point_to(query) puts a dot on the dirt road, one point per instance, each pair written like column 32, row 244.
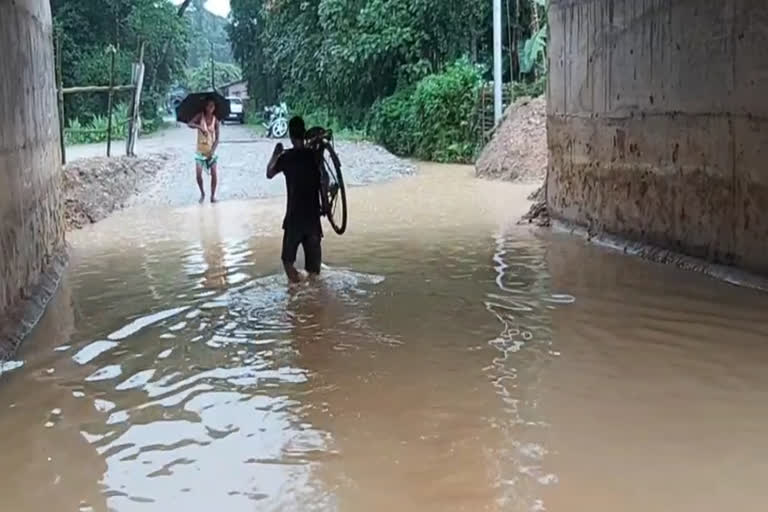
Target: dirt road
column 242, row 161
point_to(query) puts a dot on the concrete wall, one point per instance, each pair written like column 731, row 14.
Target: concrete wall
column 31, row 222
column 658, row 123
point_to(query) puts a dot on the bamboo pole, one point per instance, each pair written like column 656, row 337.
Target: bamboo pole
column 109, row 100
column 96, row 88
column 60, row 100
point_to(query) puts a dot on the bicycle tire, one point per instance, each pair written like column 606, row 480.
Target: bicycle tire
column 338, row 225
column 279, row 128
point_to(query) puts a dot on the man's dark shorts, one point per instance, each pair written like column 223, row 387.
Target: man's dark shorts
column 310, row 242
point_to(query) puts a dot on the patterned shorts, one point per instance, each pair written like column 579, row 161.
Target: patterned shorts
column 205, row 162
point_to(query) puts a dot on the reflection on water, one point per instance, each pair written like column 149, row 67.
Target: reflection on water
column 446, row 361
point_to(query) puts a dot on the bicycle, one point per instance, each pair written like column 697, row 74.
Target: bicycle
column 333, row 194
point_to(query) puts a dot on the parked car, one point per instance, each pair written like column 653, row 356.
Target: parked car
column 236, row 110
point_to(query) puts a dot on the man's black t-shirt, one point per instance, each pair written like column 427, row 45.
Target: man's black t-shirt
column 302, row 179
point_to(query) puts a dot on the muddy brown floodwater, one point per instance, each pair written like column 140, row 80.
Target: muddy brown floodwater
column 448, row 361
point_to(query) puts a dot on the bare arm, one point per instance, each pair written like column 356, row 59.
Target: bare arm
column 272, row 169
column 195, row 123
column 216, row 139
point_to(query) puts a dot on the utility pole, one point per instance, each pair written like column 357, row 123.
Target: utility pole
column 497, row 98
column 213, row 70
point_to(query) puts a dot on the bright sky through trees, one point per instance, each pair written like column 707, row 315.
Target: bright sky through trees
column 220, row 7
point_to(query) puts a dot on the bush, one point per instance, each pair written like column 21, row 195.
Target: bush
column 329, row 120
column 531, row 89
column 96, row 129
column 435, row 119
column 394, row 123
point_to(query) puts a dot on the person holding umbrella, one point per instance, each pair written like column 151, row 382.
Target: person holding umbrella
column 203, row 112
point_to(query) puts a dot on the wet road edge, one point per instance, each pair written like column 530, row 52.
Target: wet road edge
column 655, row 254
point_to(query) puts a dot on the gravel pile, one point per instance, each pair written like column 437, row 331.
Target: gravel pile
column 518, row 149
column 95, row 187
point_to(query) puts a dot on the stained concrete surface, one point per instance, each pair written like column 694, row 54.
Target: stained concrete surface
column 31, row 221
column 658, row 123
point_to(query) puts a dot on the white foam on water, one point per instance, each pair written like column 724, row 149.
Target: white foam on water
column 93, row 350
column 106, row 373
column 145, row 321
column 137, row 381
column 9, row 366
column 103, row 405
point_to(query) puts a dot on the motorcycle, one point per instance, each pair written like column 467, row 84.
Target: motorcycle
column 276, row 121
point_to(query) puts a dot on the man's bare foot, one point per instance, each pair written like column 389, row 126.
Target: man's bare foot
column 202, row 198
column 294, row 276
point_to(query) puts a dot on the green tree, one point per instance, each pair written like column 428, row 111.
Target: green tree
column 199, row 79
column 534, row 48
column 348, row 53
column 387, row 65
column 86, row 28
column 246, row 32
column 207, row 32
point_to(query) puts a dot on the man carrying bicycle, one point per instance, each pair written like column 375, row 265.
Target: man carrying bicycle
column 301, row 225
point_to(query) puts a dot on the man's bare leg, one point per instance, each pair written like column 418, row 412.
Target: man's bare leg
column 199, row 174
column 293, row 275
column 214, row 181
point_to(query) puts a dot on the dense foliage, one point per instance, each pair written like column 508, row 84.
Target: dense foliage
column 349, row 53
column 433, row 119
column 199, row 79
column 407, row 70
column 87, row 28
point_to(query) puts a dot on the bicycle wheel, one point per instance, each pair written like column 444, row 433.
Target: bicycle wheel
column 280, row 128
column 334, row 192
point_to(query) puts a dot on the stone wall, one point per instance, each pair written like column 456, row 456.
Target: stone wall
column 658, row 123
column 31, row 221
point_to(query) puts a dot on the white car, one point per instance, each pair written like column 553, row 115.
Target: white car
column 236, row 110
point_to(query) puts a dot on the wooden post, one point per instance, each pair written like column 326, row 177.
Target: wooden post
column 60, row 99
column 138, row 84
column 109, row 101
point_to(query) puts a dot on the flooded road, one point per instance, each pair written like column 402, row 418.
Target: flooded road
column 448, row 361
column 243, row 158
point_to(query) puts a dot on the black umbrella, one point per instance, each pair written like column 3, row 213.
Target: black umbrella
column 195, row 103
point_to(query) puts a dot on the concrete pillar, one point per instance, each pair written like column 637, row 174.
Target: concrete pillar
column 658, row 123
column 31, row 221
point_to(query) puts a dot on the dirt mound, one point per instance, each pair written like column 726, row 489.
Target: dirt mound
column 95, row 187
column 518, row 149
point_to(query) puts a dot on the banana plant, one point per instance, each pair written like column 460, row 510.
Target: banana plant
column 536, row 46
